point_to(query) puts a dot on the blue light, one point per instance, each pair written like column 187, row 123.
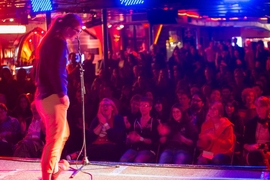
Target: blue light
column 41, row 5
column 131, row 2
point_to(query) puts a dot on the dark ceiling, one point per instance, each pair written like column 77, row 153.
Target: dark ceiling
column 211, row 8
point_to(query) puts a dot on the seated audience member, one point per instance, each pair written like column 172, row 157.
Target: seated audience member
column 125, row 98
column 258, row 89
column 184, row 100
column 216, row 139
column 248, row 110
column 232, row 114
column 144, row 137
column 140, row 85
column 197, row 112
column 149, row 94
column 159, row 111
column 106, row 134
column 73, row 65
column 133, row 113
column 22, row 112
column 239, row 84
column 210, row 78
column 9, row 132
column 257, row 134
column 194, row 89
column 214, row 96
column 178, row 137
column 107, row 91
column 31, row 145
column 206, row 91
column 226, row 94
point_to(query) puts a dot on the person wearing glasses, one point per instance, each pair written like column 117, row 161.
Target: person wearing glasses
column 143, row 138
column 107, row 133
column 51, row 98
column 257, row 135
column 216, row 139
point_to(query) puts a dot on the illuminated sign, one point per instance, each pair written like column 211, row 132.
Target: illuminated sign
column 235, row 1
column 131, row 2
column 12, row 29
column 41, row 5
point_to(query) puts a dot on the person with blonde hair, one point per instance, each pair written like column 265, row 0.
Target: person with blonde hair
column 216, row 139
column 106, row 134
column 52, row 102
column 257, row 134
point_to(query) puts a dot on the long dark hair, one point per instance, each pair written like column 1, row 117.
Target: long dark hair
column 184, row 118
column 18, row 111
column 58, row 26
column 56, row 29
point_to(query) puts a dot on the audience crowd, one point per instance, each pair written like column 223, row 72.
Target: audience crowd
column 200, row 106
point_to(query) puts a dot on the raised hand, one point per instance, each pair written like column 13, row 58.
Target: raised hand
column 101, row 118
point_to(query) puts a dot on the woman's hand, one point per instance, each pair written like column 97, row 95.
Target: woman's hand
column 127, row 123
column 64, row 100
column 163, row 130
column 101, row 118
column 134, row 137
column 251, row 147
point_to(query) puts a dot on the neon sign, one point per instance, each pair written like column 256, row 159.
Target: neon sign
column 131, row 2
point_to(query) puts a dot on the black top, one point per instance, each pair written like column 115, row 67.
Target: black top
column 50, row 68
column 187, row 129
column 250, row 130
column 116, row 134
column 148, row 132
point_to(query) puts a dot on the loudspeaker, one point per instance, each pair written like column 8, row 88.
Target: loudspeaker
column 162, row 16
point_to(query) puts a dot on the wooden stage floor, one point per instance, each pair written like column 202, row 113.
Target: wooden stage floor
column 29, row 169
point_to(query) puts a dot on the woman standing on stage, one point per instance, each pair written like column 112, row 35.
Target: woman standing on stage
column 51, row 95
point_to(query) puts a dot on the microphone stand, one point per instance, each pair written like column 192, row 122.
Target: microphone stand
column 85, row 160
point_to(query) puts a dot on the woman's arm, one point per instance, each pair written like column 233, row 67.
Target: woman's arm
column 192, row 135
column 185, row 140
column 251, row 147
column 98, row 128
column 228, row 138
